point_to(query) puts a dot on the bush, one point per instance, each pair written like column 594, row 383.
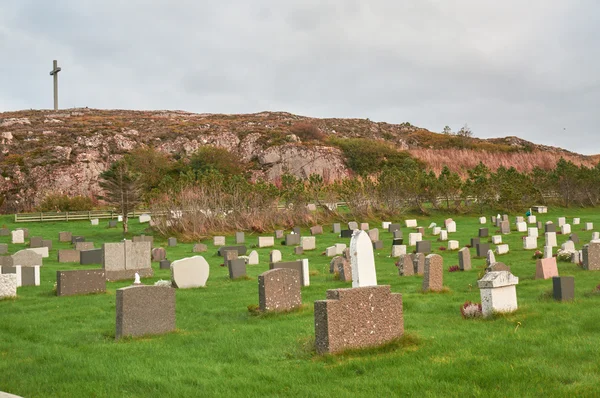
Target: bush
column 58, row 202
column 307, row 131
column 471, row 310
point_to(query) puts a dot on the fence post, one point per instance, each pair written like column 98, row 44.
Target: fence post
column 41, row 216
column 89, row 215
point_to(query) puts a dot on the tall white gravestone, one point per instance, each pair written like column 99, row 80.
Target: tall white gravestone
column 362, row 260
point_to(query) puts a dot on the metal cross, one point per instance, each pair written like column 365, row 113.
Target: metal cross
column 54, row 72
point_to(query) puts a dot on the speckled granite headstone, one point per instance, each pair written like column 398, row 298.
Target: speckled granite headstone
column 279, row 290
column 433, row 277
column 144, row 310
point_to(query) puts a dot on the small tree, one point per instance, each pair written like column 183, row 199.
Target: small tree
column 465, row 131
column 447, row 130
column 123, row 189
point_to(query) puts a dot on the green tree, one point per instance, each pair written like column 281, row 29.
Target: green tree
column 449, row 185
column 478, row 185
column 123, row 189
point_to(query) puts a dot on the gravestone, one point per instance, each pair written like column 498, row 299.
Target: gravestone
column 292, row 239
column 397, row 242
column 443, row 235
column 3, row 248
column 498, row 292
column 505, row 227
column 398, row 250
column 502, row 249
column 340, row 248
column 35, row 241
column 424, row 246
column 65, row 236
column 385, row 224
column 341, row 266
column 474, row 242
column 549, row 227
column 393, row 227
column 352, row 225
column 451, row 227
column 529, row 243
column 405, row 265
column 190, row 272
column 4, row 232
column 240, row 249
column 364, row 226
column 522, row 227
column 346, row 233
column 144, row 218
column 591, row 256
column 357, row 318
column 497, row 239
column 229, row 255
column 316, row 230
column 565, row 229
column 377, row 245
column 362, row 260
column 493, row 219
column 278, row 234
column 464, row 259
column 436, row 231
column 299, row 265
column 27, row 258
column 199, row 248
column 112, row 224
column 172, row 242
column 42, row 251
column 519, row 219
column 275, row 256
column 159, row 254
column 540, row 225
column 122, row 260
column 279, row 290
column 47, row 243
column 298, row 250
column 336, row 228
column 8, row 286
column 164, row 264
column 18, row 237
column 576, row 257
column 568, row 246
column 237, row 268
column 545, row 268
column 550, row 239
column 296, row 230
column 144, row 310
column 26, row 276
column 418, row 263
column 411, row 223
column 240, row 238
column 413, row 238
column 563, row 288
column 533, row 232
column 483, row 232
column 219, row 241
column 77, row 238
column 373, row 234
column 266, row 241
column 330, row 251
column 253, row 258
column 68, row 256
column 482, row 249
column 547, row 252
column 561, row 221
column 88, row 257
column 421, row 230
column 589, row 226
column 84, row 281
column 95, row 221
column 576, row 221
column 490, row 258
column 308, row 243
column 84, row 246
column 531, row 219
column 433, row 278
column 397, row 234
column 574, row 238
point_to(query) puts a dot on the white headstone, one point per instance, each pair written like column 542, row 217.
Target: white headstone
column 589, row 226
column 498, row 292
column 432, row 225
column 568, row 246
column 529, row 243
column 436, row 231
column 305, row 272
column 451, row 227
column 522, row 226
column 42, row 251
column 8, row 285
column 330, row 251
column 219, row 241
column 550, row 239
column 18, row 236
column 95, row 221
column 339, row 248
column 120, row 218
column 497, row 239
column 253, row 258
column 565, row 229
column 533, row 232
column 413, row 238
column 275, row 256
column 561, row 221
column 482, row 220
column 411, row 223
column 443, row 235
column 531, row 219
column 576, row 221
column 398, row 250
column 308, row 242
column 144, row 218
column 453, row 245
column 267, row 241
column 362, row 260
column 385, row 225
column 595, row 235
column 189, row 272
column 491, row 258
column 547, row 252
column 502, row 249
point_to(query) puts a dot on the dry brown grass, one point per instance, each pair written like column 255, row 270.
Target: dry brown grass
column 459, row 160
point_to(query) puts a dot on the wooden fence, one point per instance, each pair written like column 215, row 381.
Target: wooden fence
column 74, row 215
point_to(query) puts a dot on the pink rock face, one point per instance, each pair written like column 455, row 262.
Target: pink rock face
column 546, row 268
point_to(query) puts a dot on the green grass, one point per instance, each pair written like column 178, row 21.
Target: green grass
column 65, row 346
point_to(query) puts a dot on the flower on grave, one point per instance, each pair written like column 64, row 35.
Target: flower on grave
column 538, row 254
column 454, row 268
column 162, row 283
column 442, row 248
column 564, row 255
column 471, row 310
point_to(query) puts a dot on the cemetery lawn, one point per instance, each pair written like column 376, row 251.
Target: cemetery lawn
column 65, row 346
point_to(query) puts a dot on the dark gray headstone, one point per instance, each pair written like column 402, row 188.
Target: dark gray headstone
column 35, row 241
column 346, row 233
column 482, row 249
column 397, row 242
column 574, row 238
column 84, row 281
column 394, row 227
column 172, row 242
column 112, row 224
column 165, row 264
column 292, row 239
column 563, row 288
column 397, row 234
column 77, row 238
column 87, row 257
column 4, row 232
column 298, row 250
column 296, row 230
column 474, row 242
column 240, row 249
column 550, row 227
column 378, row 245
column 3, row 248
column 424, row 246
column 483, row 232
column 237, row 268
column 47, row 243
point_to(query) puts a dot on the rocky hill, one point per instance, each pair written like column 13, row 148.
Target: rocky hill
column 45, row 152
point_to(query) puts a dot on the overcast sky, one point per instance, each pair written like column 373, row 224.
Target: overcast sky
column 511, row 67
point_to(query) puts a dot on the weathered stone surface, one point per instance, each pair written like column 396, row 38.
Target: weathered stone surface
column 42, row 251
column 84, row 246
column 172, row 242
column 190, row 272
column 68, row 256
column 8, row 286
column 164, row 264
column 453, row 245
column 240, row 249
column 4, row 232
column 393, row 227
column 3, row 248
column 433, row 278
column 292, row 239
column 341, row 266
column 550, row 239
column 352, row 225
column 295, row 265
column 336, row 228
column 373, row 234
column 591, row 256
column 26, row 276
column 159, row 254
column 316, row 230
column 144, row 218
column 298, row 250
column 364, row 226
column 145, row 310
column 411, row 223
column 279, row 290
column 219, row 241
column 18, row 236
column 464, row 259
column 498, row 293
column 275, row 256
column 27, row 258
column 398, row 250
column 266, row 241
column 121, row 260
column 308, row 243
column 357, row 318
column 414, row 237
column 418, row 263
column 546, row 268
column 35, row 241
column 505, row 227
column 85, row 281
column 77, row 238
column 240, row 238
column 405, row 265
column 424, row 246
column 482, row 249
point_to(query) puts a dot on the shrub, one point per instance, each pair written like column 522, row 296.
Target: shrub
column 58, row 202
column 471, row 310
column 454, row 268
column 307, row 131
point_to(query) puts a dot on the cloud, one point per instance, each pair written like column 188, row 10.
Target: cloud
column 505, row 68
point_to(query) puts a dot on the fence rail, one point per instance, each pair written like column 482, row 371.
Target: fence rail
column 75, row 215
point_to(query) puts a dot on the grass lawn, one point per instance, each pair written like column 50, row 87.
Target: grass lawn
column 65, row 346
